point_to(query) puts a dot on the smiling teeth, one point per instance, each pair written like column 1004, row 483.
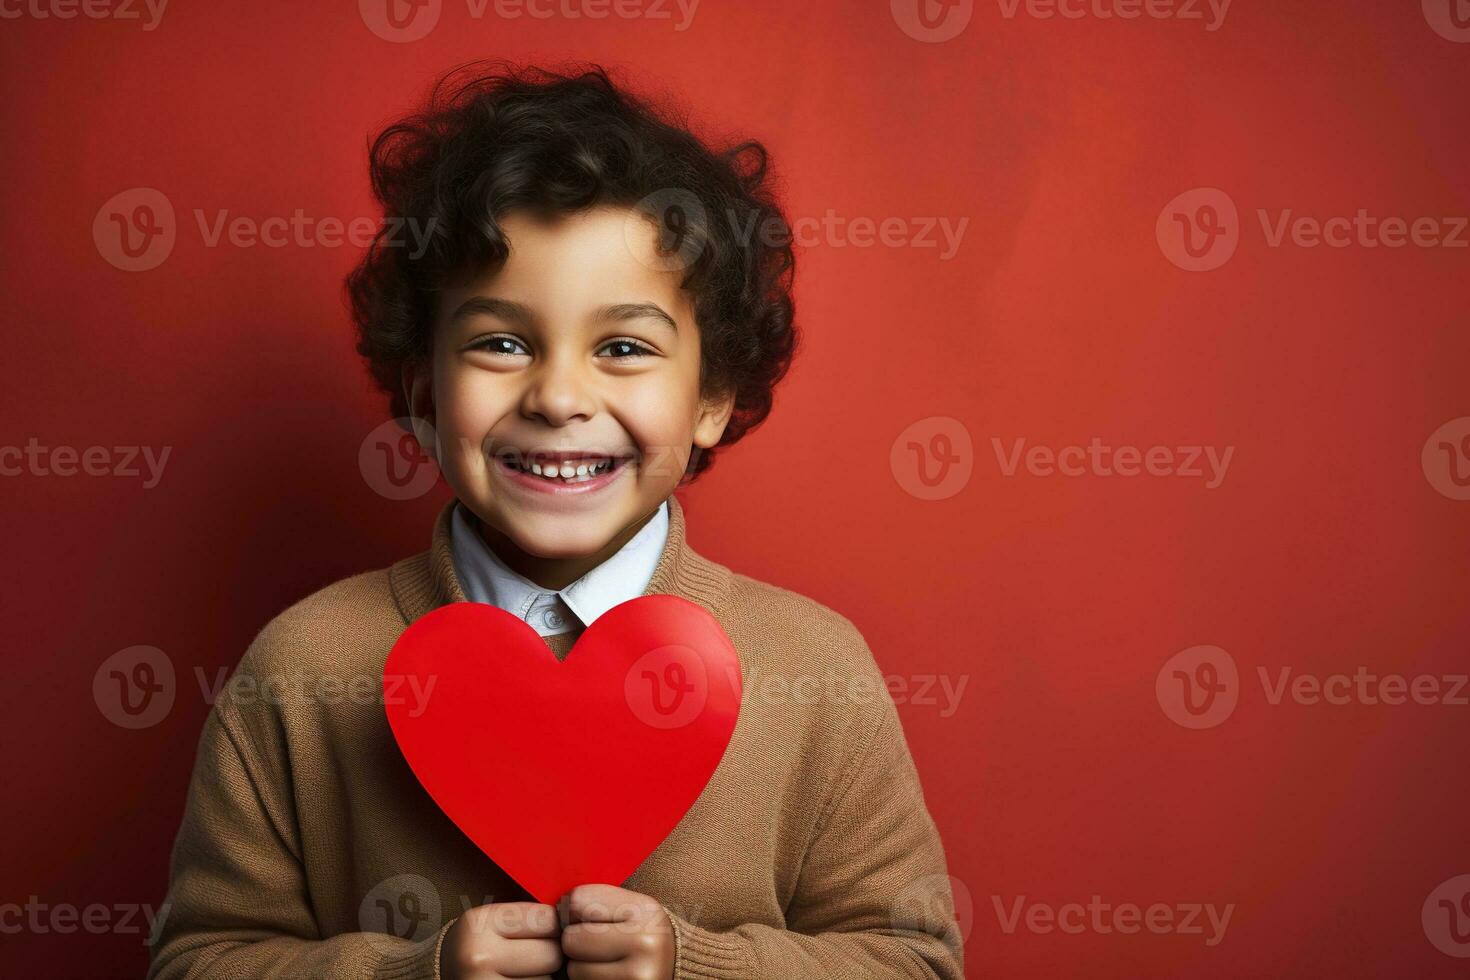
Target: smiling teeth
column 571, row 472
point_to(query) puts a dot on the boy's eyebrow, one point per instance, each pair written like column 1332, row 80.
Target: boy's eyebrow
column 504, row 308
column 632, row 311
column 522, row 315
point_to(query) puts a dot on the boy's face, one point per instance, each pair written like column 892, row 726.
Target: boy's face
column 581, row 342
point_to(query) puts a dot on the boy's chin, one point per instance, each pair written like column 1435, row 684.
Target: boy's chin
column 569, row 535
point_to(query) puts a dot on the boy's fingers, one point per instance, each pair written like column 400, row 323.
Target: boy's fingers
column 593, row 942
column 532, row 958
column 605, row 903
column 522, row 920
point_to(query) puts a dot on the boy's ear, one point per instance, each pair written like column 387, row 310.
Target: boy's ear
column 418, row 395
column 714, row 415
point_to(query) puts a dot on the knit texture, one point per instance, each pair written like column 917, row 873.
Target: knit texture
column 308, row 849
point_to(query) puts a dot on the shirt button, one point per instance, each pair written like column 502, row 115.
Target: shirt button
column 553, row 619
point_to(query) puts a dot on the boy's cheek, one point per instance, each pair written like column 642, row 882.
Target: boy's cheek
column 464, row 422
column 470, row 406
column 664, row 462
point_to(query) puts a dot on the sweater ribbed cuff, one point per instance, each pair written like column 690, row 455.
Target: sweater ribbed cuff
column 703, row 955
column 414, row 961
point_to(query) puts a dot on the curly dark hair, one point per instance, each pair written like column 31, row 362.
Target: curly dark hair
column 493, row 138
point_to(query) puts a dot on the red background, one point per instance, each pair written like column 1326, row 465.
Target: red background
column 1059, row 320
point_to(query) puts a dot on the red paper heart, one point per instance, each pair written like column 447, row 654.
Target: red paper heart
column 565, row 772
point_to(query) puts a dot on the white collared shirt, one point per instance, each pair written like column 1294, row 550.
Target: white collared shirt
column 486, row 578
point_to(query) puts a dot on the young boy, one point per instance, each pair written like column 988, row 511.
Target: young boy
column 588, row 324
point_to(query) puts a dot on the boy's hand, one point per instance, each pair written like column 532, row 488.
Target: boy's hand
column 503, row 939
column 616, row 934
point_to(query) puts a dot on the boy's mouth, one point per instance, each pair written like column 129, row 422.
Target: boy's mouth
column 561, row 468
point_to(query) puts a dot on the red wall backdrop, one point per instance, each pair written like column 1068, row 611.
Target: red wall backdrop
column 1074, row 762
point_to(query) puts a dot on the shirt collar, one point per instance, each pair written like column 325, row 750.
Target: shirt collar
column 485, row 577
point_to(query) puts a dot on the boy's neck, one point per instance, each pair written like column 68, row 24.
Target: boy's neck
column 554, row 574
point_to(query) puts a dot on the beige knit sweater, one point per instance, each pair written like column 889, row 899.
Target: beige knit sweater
column 308, row 849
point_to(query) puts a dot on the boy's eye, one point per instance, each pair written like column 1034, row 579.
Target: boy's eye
column 626, row 348
column 498, row 345
column 510, row 347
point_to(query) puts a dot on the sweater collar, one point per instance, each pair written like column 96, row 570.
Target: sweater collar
column 428, row 580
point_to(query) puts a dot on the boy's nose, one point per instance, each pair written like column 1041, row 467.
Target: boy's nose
column 558, row 394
